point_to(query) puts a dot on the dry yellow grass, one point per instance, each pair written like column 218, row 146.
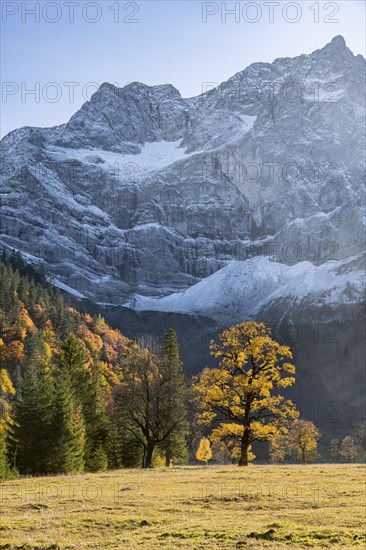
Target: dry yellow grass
column 214, row 507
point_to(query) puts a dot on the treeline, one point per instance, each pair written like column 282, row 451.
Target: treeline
column 77, row 395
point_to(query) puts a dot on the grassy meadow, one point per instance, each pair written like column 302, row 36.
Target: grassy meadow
column 213, row 507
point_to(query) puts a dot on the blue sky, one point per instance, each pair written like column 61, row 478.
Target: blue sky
column 64, row 55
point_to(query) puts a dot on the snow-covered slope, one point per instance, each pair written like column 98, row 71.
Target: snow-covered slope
column 243, row 290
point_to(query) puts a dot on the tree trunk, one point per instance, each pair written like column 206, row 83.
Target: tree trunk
column 303, row 456
column 148, row 456
column 243, row 460
column 168, row 457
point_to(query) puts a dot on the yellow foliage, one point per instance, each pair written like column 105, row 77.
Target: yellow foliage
column 25, row 321
column 232, row 435
column 303, row 438
column 204, row 451
column 235, row 453
column 88, row 318
column 6, row 385
column 108, row 377
column 241, row 394
column 93, row 341
column 348, row 448
column 15, row 351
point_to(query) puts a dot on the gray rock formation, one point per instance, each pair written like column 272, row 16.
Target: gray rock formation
column 144, row 192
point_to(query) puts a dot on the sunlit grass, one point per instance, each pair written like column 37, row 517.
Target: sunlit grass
column 224, row 507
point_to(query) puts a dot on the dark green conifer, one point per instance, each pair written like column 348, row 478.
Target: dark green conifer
column 68, row 427
column 30, row 432
column 175, row 392
column 5, row 472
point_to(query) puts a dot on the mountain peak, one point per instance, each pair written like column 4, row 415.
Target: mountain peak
column 338, row 41
column 337, row 50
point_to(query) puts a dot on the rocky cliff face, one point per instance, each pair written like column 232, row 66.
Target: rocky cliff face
column 144, row 192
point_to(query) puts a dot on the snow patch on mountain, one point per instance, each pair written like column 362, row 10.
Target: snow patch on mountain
column 68, row 289
column 242, row 289
column 248, row 122
column 153, row 156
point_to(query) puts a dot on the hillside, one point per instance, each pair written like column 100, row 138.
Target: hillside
column 35, row 319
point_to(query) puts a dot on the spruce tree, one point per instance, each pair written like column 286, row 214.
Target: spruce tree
column 97, row 423
column 92, row 388
column 5, row 471
column 175, row 391
column 68, row 428
column 74, row 357
column 97, row 461
column 30, row 431
column 113, row 445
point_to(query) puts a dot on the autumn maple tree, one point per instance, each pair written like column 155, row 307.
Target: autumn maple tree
column 349, row 449
column 241, row 397
column 302, row 439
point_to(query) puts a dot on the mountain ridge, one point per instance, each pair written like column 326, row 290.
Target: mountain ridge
column 166, row 191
